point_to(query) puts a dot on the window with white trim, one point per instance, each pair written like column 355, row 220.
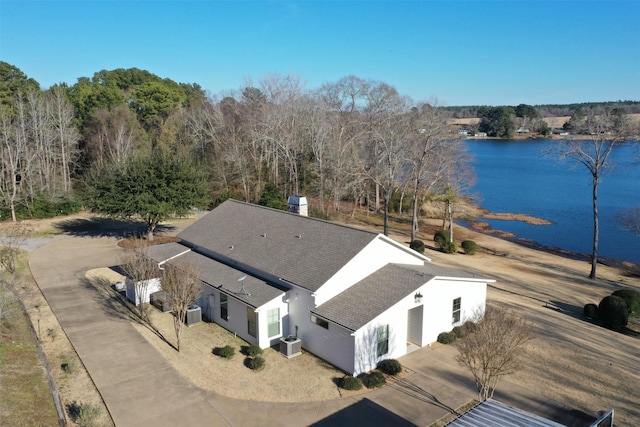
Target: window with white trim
column 382, row 340
column 455, row 317
column 273, row 322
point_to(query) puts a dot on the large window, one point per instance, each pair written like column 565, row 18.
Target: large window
column 273, row 322
column 455, row 318
column 252, row 321
column 223, row 307
column 383, row 340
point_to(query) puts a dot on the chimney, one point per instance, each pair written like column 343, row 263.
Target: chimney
column 298, row 205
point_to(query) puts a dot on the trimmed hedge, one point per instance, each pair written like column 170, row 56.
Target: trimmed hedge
column 469, row 247
column 590, row 311
column 374, row 380
column 613, row 312
column 418, row 246
column 390, row 366
column 446, row 337
column 351, row 383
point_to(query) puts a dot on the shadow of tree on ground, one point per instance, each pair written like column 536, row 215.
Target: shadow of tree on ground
column 106, row 227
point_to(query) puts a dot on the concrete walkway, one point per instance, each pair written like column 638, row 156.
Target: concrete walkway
column 140, row 388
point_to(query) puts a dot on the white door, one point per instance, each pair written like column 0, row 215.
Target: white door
column 414, row 325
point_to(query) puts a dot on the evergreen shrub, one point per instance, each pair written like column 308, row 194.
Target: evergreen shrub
column 469, row 247
column 256, row 363
column 390, row 366
column 351, row 383
column 374, row 380
column 227, row 352
column 446, row 337
column 418, row 246
column 613, row 312
column 254, row 350
column 590, row 311
column 631, row 298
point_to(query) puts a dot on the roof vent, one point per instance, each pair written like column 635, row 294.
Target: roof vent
column 298, row 205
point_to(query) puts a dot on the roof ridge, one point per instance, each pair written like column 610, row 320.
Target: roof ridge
column 337, row 224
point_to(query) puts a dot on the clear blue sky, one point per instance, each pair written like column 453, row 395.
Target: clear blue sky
column 462, row 52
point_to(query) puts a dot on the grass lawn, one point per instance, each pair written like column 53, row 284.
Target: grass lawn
column 25, row 398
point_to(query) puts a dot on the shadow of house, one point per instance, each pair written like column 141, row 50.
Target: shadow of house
column 363, row 412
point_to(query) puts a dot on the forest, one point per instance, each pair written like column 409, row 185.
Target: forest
column 352, row 140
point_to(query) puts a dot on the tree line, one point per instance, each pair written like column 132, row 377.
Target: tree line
column 350, row 140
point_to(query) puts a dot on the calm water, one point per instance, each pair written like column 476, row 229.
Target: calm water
column 513, row 176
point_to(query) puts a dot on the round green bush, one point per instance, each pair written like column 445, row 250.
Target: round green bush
column 590, row 311
column 631, row 298
column 469, row 247
column 613, row 312
column 227, row 352
column 390, row 366
column 351, row 383
column 441, row 237
column 450, row 248
column 256, row 363
column 254, row 350
column 374, row 380
column 418, row 246
column 446, row 337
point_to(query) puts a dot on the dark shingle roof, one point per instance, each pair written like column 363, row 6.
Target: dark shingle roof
column 375, row 294
column 249, row 290
column 301, row 250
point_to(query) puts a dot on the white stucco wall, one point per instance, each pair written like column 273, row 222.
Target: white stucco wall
column 237, row 321
column 375, row 255
column 438, row 305
column 152, row 285
column 437, row 301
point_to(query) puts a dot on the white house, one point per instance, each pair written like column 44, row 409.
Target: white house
column 350, row 296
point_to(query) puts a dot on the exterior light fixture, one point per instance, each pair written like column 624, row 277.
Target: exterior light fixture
column 418, row 297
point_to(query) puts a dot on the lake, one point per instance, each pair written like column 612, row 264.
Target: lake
column 514, row 177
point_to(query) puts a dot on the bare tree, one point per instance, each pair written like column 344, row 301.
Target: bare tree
column 494, row 349
column 181, row 282
column 7, row 302
column 10, row 245
column 606, row 132
column 140, row 268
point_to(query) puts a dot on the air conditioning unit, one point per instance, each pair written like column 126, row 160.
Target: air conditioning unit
column 290, row 346
column 194, row 314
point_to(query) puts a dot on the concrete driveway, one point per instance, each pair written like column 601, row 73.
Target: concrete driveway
column 140, row 388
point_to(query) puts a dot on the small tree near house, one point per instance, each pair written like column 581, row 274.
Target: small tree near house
column 494, row 349
column 140, row 268
column 182, row 283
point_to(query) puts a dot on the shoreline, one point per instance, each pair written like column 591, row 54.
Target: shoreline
column 485, row 228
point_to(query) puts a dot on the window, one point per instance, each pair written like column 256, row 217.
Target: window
column 223, row 307
column 320, row 322
column 252, row 321
column 273, row 322
column 383, row 340
column 456, row 310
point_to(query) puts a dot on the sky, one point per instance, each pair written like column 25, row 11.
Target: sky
column 456, row 52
